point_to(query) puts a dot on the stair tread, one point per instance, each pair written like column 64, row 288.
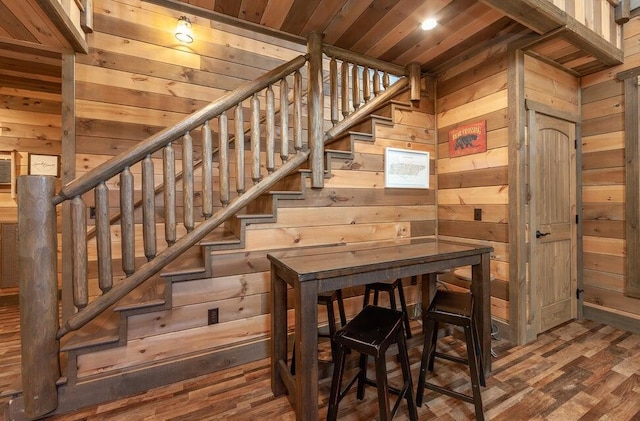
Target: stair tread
column 150, row 293
column 103, row 330
column 219, row 237
column 254, row 215
column 15, row 387
column 185, row 271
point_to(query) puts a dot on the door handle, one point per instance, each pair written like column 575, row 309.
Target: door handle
column 541, row 234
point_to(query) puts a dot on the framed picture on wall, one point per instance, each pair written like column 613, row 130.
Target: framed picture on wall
column 44, row 164
column 406, row 169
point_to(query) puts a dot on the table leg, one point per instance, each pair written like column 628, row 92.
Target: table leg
column 481, row 290
column 428, row 288
column 306, row 308
column 278, row 331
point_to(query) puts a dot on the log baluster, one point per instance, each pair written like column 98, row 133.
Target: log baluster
column 148, row 209
column 414, row 72
column 223, row 158
column 103, row 237
column 385, row 81
column 271, row 130
column 207, row 171
column 355, row 86
column 240, row 186
column 79, row 255
column 169, row 177
column 344, row 73
column 315, row 107
column 297, row 110
column 333, row 90
column 366, row 84
column 376, row 83
column 187, row 182
column 127, row 222
column 284, row 120
column 255, row 139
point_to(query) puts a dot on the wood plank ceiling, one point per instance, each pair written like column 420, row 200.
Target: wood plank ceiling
column 385, row 29
column 30, row 45
column 390, row 29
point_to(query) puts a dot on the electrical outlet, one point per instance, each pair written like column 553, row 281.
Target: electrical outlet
column 212, row 316
column 477, row 214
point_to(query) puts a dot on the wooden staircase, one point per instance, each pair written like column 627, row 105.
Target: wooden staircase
column 177, row 299
column 165, row 329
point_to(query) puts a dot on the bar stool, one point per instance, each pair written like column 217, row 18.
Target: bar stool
column 371, row 333
column 455, row 308
column 390, row 288
column 327, row 298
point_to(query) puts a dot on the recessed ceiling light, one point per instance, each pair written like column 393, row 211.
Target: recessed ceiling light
column 429, row 24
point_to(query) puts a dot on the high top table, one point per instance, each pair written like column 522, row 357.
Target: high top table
column 315, row 269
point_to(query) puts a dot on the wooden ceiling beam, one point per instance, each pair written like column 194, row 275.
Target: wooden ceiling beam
column 543, row 17
column 540, row 16
column 590, row 42
column 62, row 22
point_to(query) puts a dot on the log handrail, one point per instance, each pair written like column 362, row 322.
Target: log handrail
column 196, row 164
column 362, row 60
column 165, row 257
column 155, row 142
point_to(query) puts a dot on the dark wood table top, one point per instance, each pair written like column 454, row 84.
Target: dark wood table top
column 316, row 263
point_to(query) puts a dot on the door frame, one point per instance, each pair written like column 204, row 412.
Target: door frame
column 520, row 331
column 532, row 109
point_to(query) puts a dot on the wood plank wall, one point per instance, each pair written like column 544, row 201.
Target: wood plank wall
column 137, row 79
column 30, row 122
column 472, row 91
column 603, row 180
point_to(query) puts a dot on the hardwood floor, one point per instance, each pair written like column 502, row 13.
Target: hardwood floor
column 579, row 371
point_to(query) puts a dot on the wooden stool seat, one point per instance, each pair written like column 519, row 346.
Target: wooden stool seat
column 455, row 308
column 327, row 298
column 390, row 288
column 371, row 333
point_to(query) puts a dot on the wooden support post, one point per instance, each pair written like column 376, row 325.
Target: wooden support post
column 413, row 71
column 37, row 256
column 86, row 18
column 623, row 12
column 632, row 185
column 315, row 109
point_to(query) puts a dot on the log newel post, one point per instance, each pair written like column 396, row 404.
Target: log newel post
column 315, row 109
column 37, row 273
column 413, row 71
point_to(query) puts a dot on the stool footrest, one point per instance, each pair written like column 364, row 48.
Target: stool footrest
column 449, row 392
column 453, row 358
column 391, row 389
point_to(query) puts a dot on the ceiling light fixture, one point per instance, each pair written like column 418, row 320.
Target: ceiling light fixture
column 429, row 24
column 183, row 30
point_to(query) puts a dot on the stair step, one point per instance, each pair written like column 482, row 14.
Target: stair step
column 15, row 389
column 220, row 238
column 149, row 294
column 104, row 330
column 185, row 273
column 101, row 331
column 255, row 216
